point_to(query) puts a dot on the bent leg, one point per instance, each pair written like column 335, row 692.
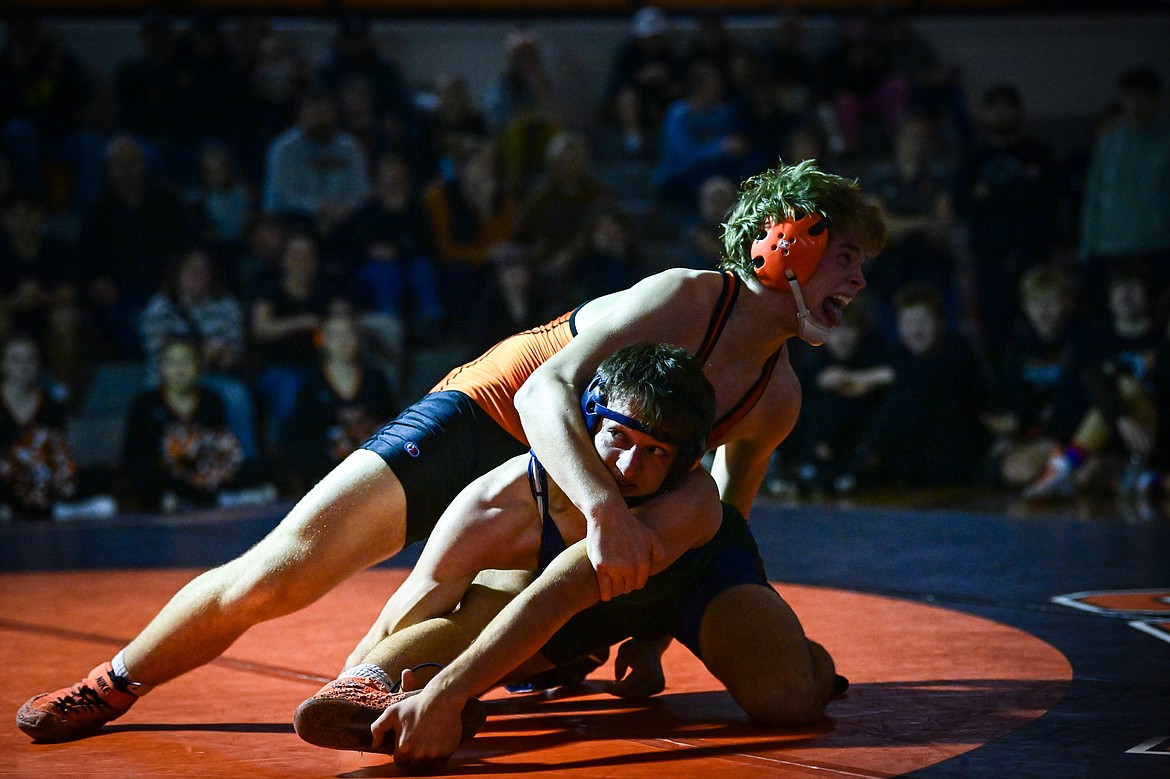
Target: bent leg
column 442, row 639
column 353, row 518
column 752, row 641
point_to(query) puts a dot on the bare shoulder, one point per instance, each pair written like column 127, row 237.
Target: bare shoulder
column 668, row 296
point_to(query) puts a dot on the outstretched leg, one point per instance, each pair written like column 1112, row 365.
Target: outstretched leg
column 353, row 518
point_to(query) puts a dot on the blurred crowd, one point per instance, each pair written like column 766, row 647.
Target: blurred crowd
column 275, row 240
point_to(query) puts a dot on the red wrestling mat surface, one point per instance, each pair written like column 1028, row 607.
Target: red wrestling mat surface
column 927, row 684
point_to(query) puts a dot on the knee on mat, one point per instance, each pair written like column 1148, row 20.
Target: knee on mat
column 778, row 707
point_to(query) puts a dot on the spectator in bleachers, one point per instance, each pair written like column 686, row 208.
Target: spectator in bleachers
column 286, row 317
column 935, row 85
column 927, row 430
column 156, row 101
column 224, row 201
column 522, row 113
column 278, row 76
column 844, row 385
column 126, row 239
column 455, row 124
column 341, row 403
column 1125, row 213
column 869, row 97
column 354, row 58
column 358, row 116
column 314, row 171
column 473, row 222
column 39, row 292
column 770, row 116
column 208, row 72
column 703, row 134
column 259, row 265
column 1153, row 481
column 710, row 41
column 913, row 191
column 612, row 259
column 37, row 468
column 715, row 198
column 1031, row 414
column 45, row 95
column 792, row 59
column 1005, row 196
column 555, row 220
column 1112, row 384
column 194, row 304
column 178, row 450
column 386, row 248
column 645, row 77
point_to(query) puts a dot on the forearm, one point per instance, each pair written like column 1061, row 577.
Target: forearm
column 523, row 627
column 549, row 408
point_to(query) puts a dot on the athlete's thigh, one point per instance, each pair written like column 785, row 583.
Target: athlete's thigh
column 351, row 519
column 752, row 641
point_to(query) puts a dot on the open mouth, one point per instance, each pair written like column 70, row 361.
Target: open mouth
column 831, row 310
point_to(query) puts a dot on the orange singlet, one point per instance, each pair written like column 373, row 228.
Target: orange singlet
column 493, row 379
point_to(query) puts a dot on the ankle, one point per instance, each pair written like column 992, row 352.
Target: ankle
column 123, row 681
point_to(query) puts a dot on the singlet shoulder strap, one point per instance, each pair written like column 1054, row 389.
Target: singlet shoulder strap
column 719, row 316
column 552, row 543
column 748, row 401
column 538, row 483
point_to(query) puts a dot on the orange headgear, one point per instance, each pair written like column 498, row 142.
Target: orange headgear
column 792, row 245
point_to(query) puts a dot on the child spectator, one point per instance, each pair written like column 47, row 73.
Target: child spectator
column 337, row 407
column 1033, row 415
column 1112, row 381
column 845, row 384
column 178, row 451
column 927, row 430
column 37, row 469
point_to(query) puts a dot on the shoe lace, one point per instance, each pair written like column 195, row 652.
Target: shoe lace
column 83, row 698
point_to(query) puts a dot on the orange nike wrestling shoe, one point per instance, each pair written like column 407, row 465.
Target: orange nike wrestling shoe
column 339, row 716
column 77, row 711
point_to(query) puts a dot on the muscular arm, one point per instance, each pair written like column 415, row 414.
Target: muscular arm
column 621, row 550
column 427, row 725
column 741, row 464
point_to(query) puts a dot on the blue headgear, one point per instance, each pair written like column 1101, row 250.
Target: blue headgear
column 689, row 452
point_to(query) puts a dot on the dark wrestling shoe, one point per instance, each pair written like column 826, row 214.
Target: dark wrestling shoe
column 77, row 711
column 339, row 716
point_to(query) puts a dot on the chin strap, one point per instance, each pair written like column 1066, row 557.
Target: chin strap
column 808, row 328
